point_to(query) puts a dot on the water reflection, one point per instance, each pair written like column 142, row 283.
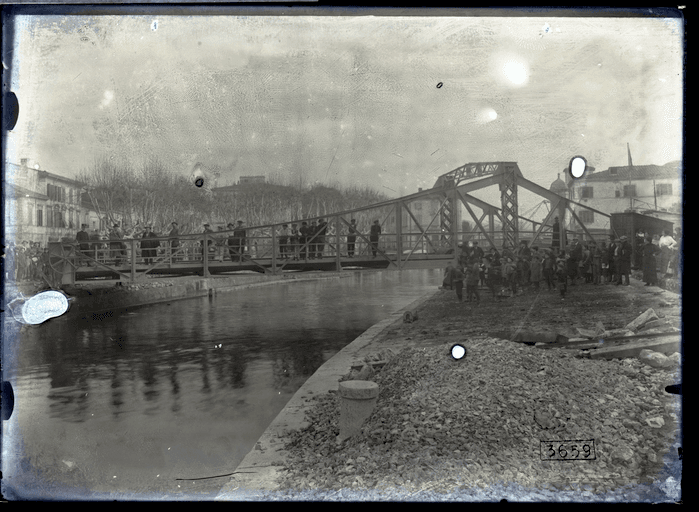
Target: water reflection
column 203, row 369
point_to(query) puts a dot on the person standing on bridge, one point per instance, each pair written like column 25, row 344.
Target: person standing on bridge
column 284, row 242
column 149, row 248
column 321, row 230
column 116, row 246
column 238, row 241
column 294, row 241
column 313, row 245
column 374, row 237
column 83, row 240
column 207, row 248
column 351, row 237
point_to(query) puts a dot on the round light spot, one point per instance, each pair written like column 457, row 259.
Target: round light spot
column 577, row 166
column 458, row 351
column 515, row 72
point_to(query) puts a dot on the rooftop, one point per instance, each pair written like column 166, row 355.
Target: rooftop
column 637, row 172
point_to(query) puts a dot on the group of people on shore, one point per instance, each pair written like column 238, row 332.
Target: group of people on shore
column 509, row 273
column 26, row 261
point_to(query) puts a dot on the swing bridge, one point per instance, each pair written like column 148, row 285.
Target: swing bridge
column 409, row 239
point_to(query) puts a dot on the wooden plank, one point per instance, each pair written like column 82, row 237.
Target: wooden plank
column 634, row 348
column 601, row 342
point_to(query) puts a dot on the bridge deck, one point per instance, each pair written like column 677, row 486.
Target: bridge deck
column 265, row 265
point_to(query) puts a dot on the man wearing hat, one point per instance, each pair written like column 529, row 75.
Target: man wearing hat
column 236, row 243
column 117, row 248
column 83, row 239
column 624, row 255
column 149, row 247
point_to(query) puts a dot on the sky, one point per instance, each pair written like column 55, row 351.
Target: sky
column 391, row 102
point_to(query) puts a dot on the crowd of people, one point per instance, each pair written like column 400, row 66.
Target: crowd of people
column 306, row 240
column 27, row 261
column 508, row 273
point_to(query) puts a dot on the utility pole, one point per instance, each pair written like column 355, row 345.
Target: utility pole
column 628, row 150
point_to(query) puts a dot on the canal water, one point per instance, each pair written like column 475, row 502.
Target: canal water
column 160, row 401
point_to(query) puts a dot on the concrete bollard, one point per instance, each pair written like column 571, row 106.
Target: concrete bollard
column 357, row 400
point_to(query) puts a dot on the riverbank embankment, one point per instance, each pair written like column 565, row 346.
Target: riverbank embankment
column 476, row 429
column 96, row 298
column 259, row 471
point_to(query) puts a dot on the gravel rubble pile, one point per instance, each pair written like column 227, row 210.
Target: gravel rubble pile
column 443, row 426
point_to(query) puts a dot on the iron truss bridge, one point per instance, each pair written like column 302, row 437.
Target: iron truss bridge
column 420, row 230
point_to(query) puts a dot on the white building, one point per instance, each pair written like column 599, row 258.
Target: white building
column 639, row 188
column 43, row 207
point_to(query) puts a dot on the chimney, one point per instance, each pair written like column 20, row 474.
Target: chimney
column 23, row 161
column 419, row 189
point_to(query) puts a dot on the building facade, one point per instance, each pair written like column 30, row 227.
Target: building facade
column 638, row 188
column 44, row 207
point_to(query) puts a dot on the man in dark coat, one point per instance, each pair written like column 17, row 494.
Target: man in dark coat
column 238, row 241
column 116, row 246
column 149, row 248
column 83, row 239
column 624, row 260
column 650, row 262
column 374, row 237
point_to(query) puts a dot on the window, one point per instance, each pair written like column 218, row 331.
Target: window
column 586, row 192
column 663, row 189
column 629, row 190
column 39, row 216
column 617, row 193
column 586, row 216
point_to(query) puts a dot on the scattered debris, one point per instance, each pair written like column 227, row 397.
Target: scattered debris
column 648, row 315
column 654, row 359
column 656, row 422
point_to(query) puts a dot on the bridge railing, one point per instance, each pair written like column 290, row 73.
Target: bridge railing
column 264, row 248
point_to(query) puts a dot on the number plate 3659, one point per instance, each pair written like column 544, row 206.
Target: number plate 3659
column 568, row 450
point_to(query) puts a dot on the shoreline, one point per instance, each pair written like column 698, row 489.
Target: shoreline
column 258, row 476
column 259, row 467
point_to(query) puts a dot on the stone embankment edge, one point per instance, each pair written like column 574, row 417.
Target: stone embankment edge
column 259, row 470
column 89, row 300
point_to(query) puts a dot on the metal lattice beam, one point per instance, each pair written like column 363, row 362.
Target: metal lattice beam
column 508, row 198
